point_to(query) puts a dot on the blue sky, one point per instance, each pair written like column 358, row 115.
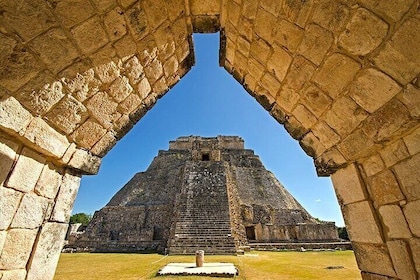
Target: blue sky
column 208, row 101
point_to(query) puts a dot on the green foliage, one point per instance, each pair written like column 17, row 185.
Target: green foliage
column 81, row 218
column 342, row 233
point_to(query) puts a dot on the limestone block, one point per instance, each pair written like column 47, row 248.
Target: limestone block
column 170, row 67
column 408, row 175
column 415, row 250
column 373, row 258
column 344, row 116
column 16, row 274
column 316, row 43
column 327, row 163
column 108, row 72
column 127, row 3
column 234, row 13
column 270, row 83
column 250, row 83
column 104, row 145
column 316, row 100
column 67, row 114
column 348, row 185
column 137, row 22
column 13, row 116
column 384, row 188
column 279, row 62
column 103, row 5
column 88, row 133
column 394, row 222
column 255, row 69
column 356, row 145
column 199, row 7
column 295, row 128
column 47, row 251
column 31, row 212
column 373, row 165
column 336, row 73
column 85, row 161
column 412, row 142
column 131, row 103
column 8, row 151
column 120, row 88
column 260, row 50
column 160, row 87
column 3, row 234
column 49, row 181
column 26, row 172
column 164, row 41
column 399, row 58
column 249, row 9
column 73, row 12
column 325, row 134
column 40, row 94
column 304, row 116
column 176, row 9
column 115, row 24
column 331, row 15
column 243, row 45
column 90, row 35
column 28, row 18
column 143, row 88
column 299, row 74
column 411, row 213
column 102, row 107
column 134, row 70
column 17, row 248
column 361, row 223
column 79, row 86
column 311, row 145
column 298, row 12
column 364, row 33
column 393, row 9
column 125, row 47
column 65, row 198
column 9, row 202
column 273, row 7
column 265, row 23
column 55, row 49
column 401, row 259
column 69, row 152
column 156, row 12
column 104, row 54
column 288, row 35
column 180, row 30
column 394, row 153
column 287, row 99
column 392, row 119
column 372, row 89
column 21, row 65
column 46, row 138
column 410, row 98
column 153, row 71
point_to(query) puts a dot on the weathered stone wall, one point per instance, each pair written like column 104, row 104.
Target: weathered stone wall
column 342, row 76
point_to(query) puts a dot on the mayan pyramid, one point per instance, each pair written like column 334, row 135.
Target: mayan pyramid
column 202, row 193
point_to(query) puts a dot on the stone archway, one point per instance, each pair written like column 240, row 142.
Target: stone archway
column 341, row 76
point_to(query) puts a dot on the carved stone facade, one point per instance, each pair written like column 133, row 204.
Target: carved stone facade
column 203, row 193
column 342, row 76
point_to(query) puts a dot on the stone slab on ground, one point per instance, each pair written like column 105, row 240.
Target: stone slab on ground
column 208, row 269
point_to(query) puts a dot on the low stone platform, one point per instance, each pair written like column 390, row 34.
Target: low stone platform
column 208, row 269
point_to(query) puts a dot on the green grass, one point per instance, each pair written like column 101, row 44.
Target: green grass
column 253, row 266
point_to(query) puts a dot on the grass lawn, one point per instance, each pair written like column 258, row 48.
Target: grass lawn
column 252, row 266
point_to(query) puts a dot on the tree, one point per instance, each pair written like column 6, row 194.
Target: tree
column 81, row 218
column 342, row 233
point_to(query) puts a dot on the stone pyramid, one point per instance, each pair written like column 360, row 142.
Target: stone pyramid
column 202, row 193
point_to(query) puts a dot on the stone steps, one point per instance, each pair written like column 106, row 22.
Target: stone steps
column 203, row 220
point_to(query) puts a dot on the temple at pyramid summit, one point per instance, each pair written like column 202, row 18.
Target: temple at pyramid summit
column 203, row 193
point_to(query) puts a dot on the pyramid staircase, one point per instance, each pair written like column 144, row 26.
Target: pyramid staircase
column 203, row 220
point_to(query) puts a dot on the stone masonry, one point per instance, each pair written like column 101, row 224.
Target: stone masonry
column 206, row 194
column 342, row 76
